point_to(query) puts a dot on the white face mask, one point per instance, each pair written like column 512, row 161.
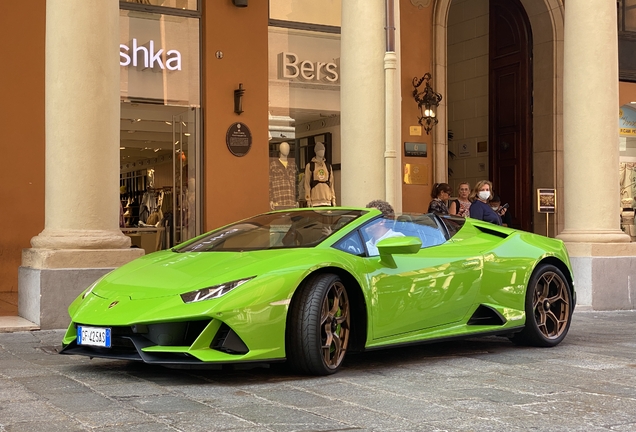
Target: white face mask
column 484, row 195
column 495, row 208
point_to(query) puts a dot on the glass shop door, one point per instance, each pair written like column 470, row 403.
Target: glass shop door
column 186, row 175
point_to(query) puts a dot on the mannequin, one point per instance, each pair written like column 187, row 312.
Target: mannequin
column 319, row 184
column 282, row 180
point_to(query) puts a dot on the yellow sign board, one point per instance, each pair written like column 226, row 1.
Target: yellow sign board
column 415, row 130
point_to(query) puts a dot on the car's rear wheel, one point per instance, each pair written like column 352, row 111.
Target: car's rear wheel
column 548, row 308
column 319, row 326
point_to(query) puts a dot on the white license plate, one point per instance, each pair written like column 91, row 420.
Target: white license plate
column 94, row 336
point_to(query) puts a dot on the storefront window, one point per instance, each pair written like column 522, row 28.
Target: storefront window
column 304, row 117
column 160, row 128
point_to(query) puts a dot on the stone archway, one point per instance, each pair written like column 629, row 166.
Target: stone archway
column 546, row 20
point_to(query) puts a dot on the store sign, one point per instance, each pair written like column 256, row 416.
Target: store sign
column 146, row 56
column 291, row 67
column 412, row 149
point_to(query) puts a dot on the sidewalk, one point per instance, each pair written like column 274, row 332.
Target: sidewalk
column 588, row 383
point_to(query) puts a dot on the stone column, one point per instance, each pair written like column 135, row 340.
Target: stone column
column 590, row 127
column 81, row 239
column 362, row 122
column 601, row 257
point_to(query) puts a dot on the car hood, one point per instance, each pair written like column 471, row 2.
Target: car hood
column 170, row 273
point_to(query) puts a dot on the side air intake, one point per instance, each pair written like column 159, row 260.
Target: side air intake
column 485, row 315
column 491, row 231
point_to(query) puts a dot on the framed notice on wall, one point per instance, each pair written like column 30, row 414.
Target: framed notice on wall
column 546, row 200
column 415, row 174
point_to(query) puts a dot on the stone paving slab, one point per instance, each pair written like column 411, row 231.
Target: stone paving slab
column 588, row 383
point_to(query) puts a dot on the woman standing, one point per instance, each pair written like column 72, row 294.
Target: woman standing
column 461, row 206
column 480, row 207
column 440, row 193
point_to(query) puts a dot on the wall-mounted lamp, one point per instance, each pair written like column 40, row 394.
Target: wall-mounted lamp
column 238, row 99
column 240, row 3
column 427, row 100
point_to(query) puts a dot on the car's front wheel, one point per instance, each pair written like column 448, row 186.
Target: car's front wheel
column 319, row 326
column 548, row 308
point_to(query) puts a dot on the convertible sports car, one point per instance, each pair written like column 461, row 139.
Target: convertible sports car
column 309, row 285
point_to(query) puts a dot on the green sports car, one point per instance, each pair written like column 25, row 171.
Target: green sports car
column 309, row 285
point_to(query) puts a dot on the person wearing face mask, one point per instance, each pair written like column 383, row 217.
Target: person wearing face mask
column 480, row 207
column 461, row 205
column 319, row 184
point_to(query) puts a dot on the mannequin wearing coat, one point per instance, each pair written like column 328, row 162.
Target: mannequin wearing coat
column 282, row 180
column 319, row 185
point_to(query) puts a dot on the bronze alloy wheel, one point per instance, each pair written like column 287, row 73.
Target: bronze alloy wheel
column 548, row 308
column 335, row 325
column 551, row 305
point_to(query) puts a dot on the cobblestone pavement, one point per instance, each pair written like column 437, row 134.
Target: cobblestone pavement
column 588, row 383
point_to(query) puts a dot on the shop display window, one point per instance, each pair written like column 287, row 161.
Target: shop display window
column 304, row 102
column 160, row 144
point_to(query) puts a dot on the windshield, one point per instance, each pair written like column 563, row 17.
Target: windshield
column 278, row 230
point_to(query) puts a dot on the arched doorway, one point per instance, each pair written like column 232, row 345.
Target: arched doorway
column 546, row 138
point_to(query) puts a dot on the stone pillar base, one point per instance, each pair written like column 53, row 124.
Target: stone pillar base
column 603, row 274
column 49, row 280
column 45, row 294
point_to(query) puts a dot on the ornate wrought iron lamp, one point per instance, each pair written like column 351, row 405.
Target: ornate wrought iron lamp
column 427, row 100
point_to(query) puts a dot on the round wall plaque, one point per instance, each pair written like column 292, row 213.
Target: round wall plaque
column 238, row 139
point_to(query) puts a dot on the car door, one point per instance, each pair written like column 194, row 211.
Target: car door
column 434, row 287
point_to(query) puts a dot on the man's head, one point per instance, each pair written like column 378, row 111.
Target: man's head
column 383, row 206
column 495, row 202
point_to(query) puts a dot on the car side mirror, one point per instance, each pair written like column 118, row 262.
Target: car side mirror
column 397, row 246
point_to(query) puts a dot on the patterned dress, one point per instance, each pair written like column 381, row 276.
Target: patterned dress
column 462, row 208
column 437, row 206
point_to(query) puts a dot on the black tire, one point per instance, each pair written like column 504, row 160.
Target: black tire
column 319, row 326
column 548, row 308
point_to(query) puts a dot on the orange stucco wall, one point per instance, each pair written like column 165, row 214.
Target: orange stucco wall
column 22, row 141
column 234, row 187
column 416, row 44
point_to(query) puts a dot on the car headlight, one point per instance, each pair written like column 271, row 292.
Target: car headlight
column 213, row 291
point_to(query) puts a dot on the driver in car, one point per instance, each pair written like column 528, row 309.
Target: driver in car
column 380, row 229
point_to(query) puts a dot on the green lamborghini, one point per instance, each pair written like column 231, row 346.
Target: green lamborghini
column 307, row 286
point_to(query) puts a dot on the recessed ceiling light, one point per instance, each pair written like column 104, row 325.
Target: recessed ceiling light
column 122, row 148
column 187, row 134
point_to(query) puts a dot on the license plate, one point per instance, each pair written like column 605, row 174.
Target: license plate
column 94, row 336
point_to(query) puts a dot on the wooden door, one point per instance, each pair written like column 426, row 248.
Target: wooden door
column 510, row 109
